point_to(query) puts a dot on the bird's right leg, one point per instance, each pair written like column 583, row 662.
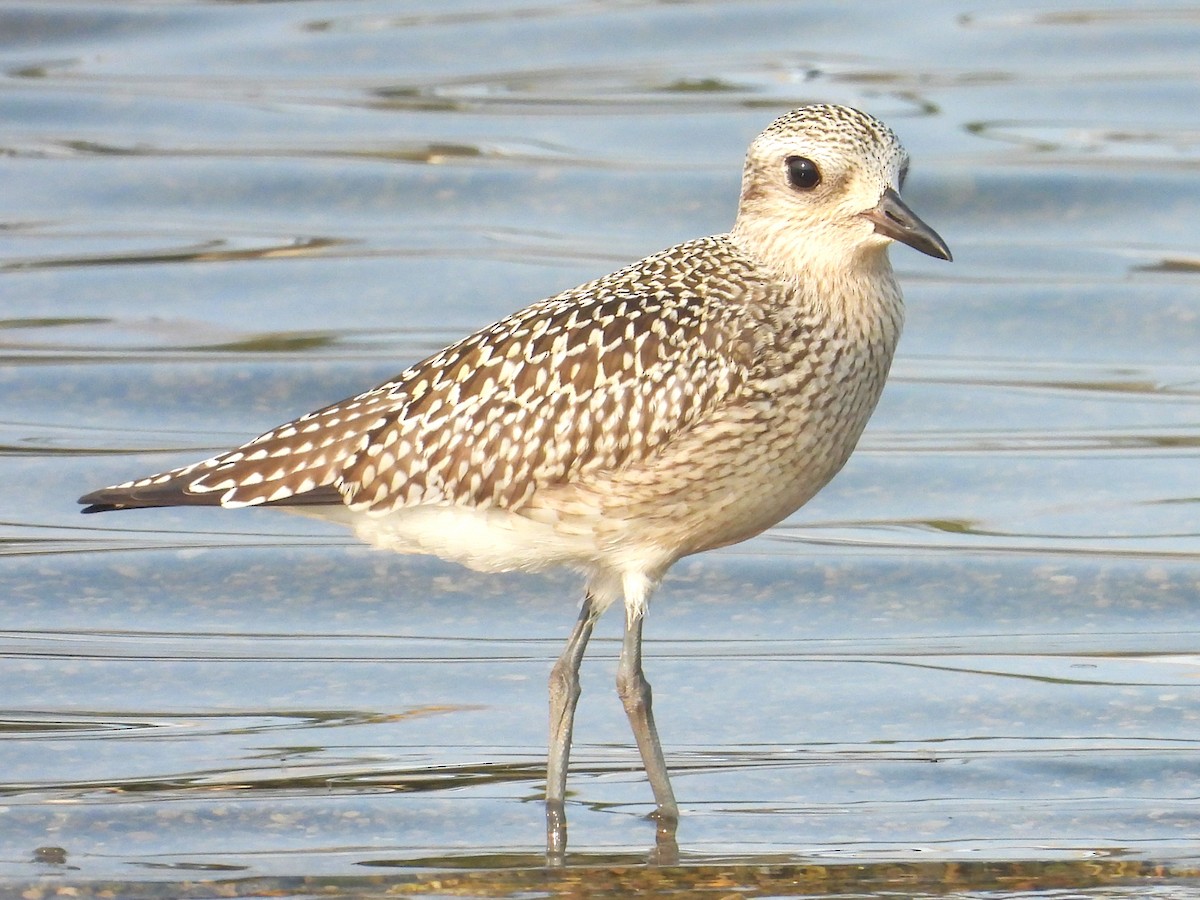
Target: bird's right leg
column 564, row 695
column 634, row 690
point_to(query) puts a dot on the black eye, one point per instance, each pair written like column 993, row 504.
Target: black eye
column 803, row 173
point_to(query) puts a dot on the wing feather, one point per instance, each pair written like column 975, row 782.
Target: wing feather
column 596, row 378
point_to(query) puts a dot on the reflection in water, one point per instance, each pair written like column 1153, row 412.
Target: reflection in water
column 1172, row 266
column 589, row 877
column 212, row 252
column 615, row 875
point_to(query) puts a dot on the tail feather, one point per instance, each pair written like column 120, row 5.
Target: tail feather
column 175, row 493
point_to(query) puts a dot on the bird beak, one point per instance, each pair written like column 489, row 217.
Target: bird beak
column 895, row 220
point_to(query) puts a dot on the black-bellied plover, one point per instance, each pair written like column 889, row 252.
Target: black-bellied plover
column 685, row 402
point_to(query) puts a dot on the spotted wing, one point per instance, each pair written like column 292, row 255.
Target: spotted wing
column 595, row 378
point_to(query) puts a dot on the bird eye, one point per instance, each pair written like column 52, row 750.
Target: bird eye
column 803, row 173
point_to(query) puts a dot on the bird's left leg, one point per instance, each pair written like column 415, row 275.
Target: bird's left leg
column 564, row 695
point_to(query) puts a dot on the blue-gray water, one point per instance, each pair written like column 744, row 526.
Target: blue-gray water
column 981, row 644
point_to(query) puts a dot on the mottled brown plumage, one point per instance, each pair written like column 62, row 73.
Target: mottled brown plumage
column 685, row 402
column 628, row 361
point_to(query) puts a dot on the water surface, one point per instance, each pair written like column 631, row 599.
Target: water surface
column 970, row 665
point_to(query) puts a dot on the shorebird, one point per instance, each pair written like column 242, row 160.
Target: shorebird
column 685, row 402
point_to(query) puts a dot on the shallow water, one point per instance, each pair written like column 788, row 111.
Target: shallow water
column 971, row 666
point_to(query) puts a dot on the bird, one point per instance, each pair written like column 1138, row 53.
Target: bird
column 685, row 402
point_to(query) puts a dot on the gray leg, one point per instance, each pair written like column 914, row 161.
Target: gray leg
column 634, row 691
column 564, row 695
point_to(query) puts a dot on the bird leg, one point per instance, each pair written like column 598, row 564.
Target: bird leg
column 564, row 695
column 634, row 692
